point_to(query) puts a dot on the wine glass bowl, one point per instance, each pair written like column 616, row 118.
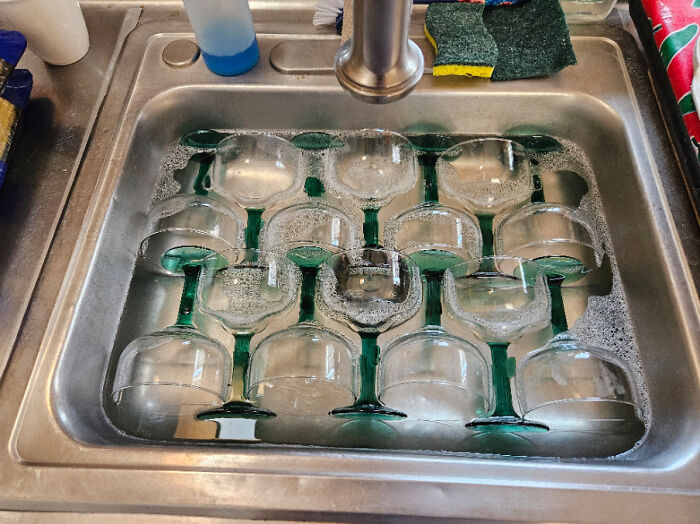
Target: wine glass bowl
column 562, row 239
column 309, row 232
column 174, row 372
column 244, row 288
column 370, row 289
column 371, row 167
column 499, row 305
column 570, row 385
column 488, row 175
column 434, row 236
column 256, row 169
column 432, row 375
column 186, row 228
column 303, row 370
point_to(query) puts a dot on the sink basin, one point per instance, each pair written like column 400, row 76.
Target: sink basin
column 65, row 426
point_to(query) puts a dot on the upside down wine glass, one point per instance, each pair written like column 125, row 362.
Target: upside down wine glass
column 488, row 175
column 306, row 368
column 370, row 168
column 431, row 374
column 570, row 385
column 178, row 370
column 371, row 290
column 255, row 170
column 560, row 238
column 499, row 306
column 243, row 289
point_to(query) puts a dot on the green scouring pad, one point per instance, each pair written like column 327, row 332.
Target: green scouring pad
column 532, row 39
column 462, row 44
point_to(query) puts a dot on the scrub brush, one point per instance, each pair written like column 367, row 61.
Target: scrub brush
column 330, row 12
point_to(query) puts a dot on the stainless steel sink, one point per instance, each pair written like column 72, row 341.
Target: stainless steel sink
column 64, row 449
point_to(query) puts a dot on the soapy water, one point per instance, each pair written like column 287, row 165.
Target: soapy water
column 307, row 225
column 505, row 323
column 606, row 322
column 166, row 185
column 372, row 297
column 495, row 191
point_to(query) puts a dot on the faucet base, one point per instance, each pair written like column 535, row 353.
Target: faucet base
column 379, row 94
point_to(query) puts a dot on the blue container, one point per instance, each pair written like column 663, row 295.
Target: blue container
column 225, row 34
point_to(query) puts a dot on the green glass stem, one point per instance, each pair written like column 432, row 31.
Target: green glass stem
column 314, row 141
column 430, row 181
column 536, row 143
column 433, row 306
column 308, row 293
column 189, row 290
column 486, row 226
column 501, row 380
column 370, row 228
column 241, row 350
column 559, row 323
column 313, row 186
column 202, row 181
column 538, row 192
column 368, row 369
column 252, row 230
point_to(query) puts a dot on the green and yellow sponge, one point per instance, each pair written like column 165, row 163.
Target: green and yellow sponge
column 462, row 44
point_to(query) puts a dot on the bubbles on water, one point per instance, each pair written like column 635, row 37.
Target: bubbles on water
column 312, row 223
column 606, row 322
column 254, row 293
column 165, row 185
column 496, row 312
column 376, row 297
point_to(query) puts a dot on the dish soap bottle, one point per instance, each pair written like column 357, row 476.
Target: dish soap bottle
column 225, row 34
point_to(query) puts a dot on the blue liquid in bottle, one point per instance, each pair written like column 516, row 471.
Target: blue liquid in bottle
column 233, row 64
column 225, row 33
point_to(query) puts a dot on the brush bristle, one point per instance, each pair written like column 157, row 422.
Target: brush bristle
column 327, row 11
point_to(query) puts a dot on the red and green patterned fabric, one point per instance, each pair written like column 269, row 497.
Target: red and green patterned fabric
column 676, row 26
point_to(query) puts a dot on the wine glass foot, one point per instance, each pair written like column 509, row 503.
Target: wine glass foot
column 236, row 409
column 373, row 410
column 507, row 423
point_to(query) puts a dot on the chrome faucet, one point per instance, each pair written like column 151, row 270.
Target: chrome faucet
column 379, row 64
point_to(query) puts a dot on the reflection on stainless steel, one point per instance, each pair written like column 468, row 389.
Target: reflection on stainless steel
column 58, row 121
column 60, row 452
column 379, row 64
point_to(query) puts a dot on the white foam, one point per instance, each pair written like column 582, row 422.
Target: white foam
column 378, row 311
column 606, row 322
column 176, row 158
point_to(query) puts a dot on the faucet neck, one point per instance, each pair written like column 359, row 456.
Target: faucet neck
column 379, row 63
